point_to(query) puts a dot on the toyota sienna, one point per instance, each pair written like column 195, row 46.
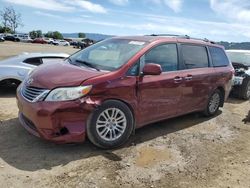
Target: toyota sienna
column 109, row 89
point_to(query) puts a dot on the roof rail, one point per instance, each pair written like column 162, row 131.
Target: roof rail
column 183, row 36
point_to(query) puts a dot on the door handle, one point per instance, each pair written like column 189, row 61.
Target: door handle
column 189, row 77
column 177, row 79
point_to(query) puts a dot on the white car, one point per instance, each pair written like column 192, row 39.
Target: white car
column 49, row 40
column 241, row 82
column 23, row 37
column 2, row 38
column 61, row 43
column 14, row 70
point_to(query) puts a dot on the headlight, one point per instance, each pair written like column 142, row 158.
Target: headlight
column 67, row 94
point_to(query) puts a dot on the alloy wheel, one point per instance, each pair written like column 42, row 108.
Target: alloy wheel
column 214, row 103
column 111, row 124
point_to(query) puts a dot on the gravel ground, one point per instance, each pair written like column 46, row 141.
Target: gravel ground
column 188, row 151
column 8, row 49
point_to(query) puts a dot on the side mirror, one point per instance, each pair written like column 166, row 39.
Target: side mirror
column 152, row 69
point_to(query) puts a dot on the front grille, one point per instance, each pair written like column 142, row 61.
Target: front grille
column 33, row 94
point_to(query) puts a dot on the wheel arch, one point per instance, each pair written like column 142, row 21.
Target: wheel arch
column 2, row 81
column 128, row 105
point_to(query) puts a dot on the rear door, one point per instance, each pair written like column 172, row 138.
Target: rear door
column 197, row 78
column 159, row 95
column 223, row 68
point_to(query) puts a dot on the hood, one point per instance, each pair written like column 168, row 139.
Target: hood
column 238, row 65
column 55, row 75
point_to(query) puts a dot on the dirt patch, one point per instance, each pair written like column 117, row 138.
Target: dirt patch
column 148, row 156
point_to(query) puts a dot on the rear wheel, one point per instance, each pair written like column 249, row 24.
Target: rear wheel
column 213, row 103
column 244, row 92
column 110, row 125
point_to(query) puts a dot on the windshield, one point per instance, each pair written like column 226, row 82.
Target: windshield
column 107, row 55
column 240, row 57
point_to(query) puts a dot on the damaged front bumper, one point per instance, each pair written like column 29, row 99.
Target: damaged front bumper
column 59, row 122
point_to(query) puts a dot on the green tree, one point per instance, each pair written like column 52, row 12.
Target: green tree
column 57, row 35
column 10, row 18
column 48, row 34
column 54, row 35
column 81, row 35
column 35, row 34
column 5, row 30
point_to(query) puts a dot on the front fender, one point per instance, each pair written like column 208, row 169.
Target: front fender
column 16, row 73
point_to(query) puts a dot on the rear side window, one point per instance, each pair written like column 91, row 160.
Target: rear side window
column 219, row 57
column 33, row 61
column 164, row 55
column 194, row 56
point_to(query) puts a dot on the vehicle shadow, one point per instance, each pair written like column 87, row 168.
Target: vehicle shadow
column 7, row 92
column 26, row 152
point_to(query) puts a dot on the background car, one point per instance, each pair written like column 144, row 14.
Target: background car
column 49, row 40
column 61, row 43
column 15, row 69
column 40, row 41
column 11, row 38
column 84, row 43
column 241, row 62
column 73, row 43
column 26, row 39
column 1, row 39
column 23, row 37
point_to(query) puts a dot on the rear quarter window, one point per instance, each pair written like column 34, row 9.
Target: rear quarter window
column 219, row 57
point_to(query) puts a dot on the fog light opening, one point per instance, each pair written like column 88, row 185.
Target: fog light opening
column 64, row 131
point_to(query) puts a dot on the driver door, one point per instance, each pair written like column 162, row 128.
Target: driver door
column 159, row 95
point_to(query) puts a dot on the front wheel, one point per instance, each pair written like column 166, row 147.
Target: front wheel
column 110, row 125
column 213, row 103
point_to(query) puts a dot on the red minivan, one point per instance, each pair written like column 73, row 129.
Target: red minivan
column 109, row 89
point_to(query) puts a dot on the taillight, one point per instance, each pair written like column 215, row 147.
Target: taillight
column 232, row 71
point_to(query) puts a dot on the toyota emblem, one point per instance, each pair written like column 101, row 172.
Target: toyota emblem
column 29, row 81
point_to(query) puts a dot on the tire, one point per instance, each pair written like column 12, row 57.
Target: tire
column 215, row 99
column 10, row 83
column 244, row 91
column 108, row 135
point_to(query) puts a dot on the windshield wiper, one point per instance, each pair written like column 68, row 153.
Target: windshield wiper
column 87, row 64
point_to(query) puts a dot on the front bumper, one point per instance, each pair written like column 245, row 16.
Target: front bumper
column 237, row 80
column 59, row 122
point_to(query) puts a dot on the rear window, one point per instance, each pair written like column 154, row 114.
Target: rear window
column 40, row 60
column 219, row 57
column 33, row 61
column 194, row 56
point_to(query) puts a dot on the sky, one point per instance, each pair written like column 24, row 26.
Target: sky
column 218, row 20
